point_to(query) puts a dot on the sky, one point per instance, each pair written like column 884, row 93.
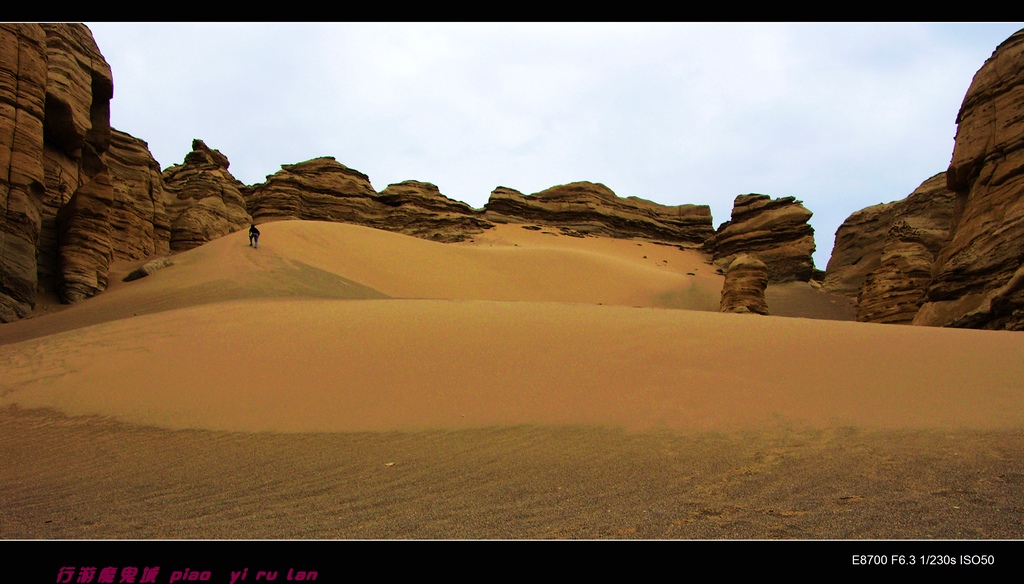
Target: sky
column 839, row 115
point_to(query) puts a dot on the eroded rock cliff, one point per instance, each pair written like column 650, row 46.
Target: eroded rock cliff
column 894, row 291
column 139, row 224
column 76, row 194
column 323, row 189
column 22, row 106
column 54, row 129
column 593, row 208
column 861, row 240
column 976, row 272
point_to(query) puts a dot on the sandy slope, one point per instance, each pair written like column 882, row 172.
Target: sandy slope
column 335, row 329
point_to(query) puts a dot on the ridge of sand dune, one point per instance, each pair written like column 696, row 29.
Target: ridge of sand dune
column 315, row 259
column 535, row 267
column 358, row 365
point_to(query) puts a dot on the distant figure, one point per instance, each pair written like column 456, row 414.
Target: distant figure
column 254, row 236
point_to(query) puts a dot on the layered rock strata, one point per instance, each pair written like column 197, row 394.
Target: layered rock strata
column 202, row 200
column 22, row 106
column 323, row 189
column 76, row 135
column 975, row 277
column 861, row 239
column 55, row 91
column 419, row 209
column 773, row 230
column 745, row 282
column 894, row 291
column 593, row 208
column 139, row 224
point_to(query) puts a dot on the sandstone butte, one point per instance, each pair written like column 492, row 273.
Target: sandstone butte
column 592, row 208
column 203, row 200
column 80, row 194
column 773, row 230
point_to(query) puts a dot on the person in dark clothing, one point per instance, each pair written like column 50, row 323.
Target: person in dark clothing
column 254, row 236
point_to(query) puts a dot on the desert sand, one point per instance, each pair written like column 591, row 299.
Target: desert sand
column 346, row 382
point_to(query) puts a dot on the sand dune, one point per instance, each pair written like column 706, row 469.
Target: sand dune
column 335, row 329
column 359, row 365
column 310, row 259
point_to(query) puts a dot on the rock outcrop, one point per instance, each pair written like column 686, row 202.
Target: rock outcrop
column 55, row 91
column 323, row 189
column 894, row 291
column 976, row 273
column 419, row 209
column 202, row 200
column 861, row 239
column 773, row 230
column 745, row 282
column 593, row 208
column 76, row 193
column 76, row 134
column 83, row 231
column 139, row 223
column 147, row 269
column 22, row 106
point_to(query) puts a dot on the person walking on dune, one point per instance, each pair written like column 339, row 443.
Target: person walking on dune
column 254, row 236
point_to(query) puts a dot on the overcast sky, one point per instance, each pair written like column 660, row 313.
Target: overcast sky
column 841, row 116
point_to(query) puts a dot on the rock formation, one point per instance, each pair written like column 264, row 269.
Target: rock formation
column 593, row 208
column 83, row 234
column 139, row 223
column 147, row 269
column 773, row 230
column 419, row 209
column 202, row 199
column 861, row 239
column 976, row 273
column 323, row 189
column 745, row 283
column 55, row 91
column 22, row 103
column 894, row 291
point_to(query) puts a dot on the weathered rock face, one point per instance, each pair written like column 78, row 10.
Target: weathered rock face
column 419, row 209
column 65, row 218
column 22, row 106
column 773, row 230
column 202, row 200
column 138, row 221
column 745, row 283
column 55, row 90
column 83, row 227
column 323, row 189
column 861, row 239
column 894, row 291
column 76, row 134
column 593, row 208
column 985, row 252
